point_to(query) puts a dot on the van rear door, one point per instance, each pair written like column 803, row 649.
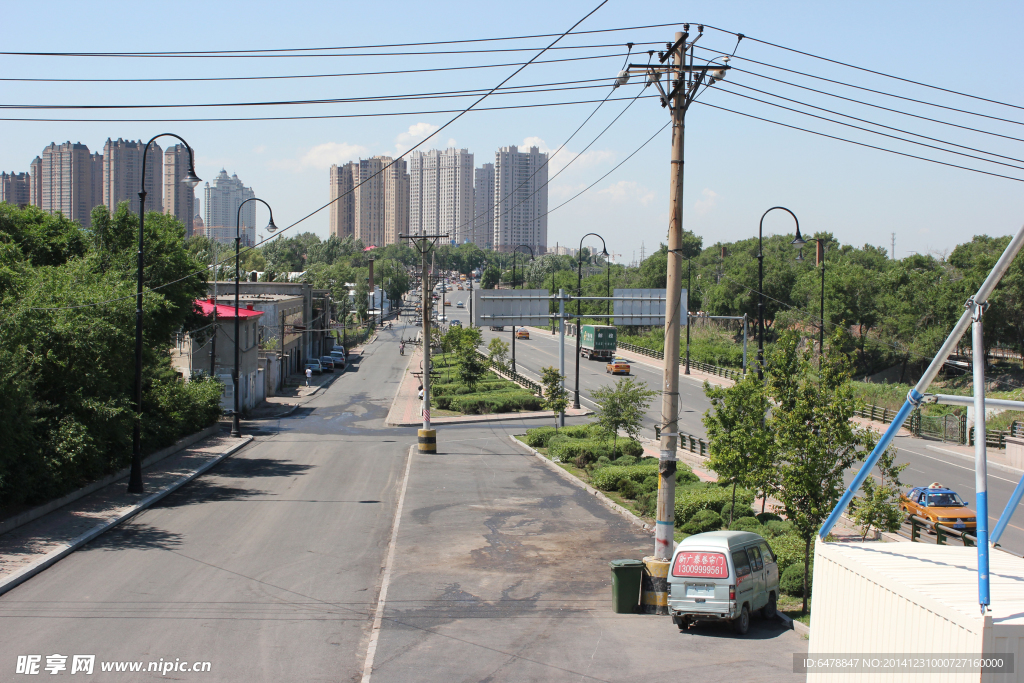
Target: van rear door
column 699, row 582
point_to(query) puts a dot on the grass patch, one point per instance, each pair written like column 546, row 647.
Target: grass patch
column 492, row 394
column 790, row 606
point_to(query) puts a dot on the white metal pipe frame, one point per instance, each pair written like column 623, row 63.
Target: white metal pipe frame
column 975, row 308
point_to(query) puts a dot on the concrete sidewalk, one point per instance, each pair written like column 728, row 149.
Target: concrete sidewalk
column 29, row 549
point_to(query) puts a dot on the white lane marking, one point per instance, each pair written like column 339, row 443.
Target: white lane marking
column 952, row 464
column 378, row 617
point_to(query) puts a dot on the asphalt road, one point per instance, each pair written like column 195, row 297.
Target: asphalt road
column 924, row 464
column 270, row 566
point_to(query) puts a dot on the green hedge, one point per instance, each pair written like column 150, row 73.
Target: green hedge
column 702, row 521
column 611, row 478
column 788, row 549
column 691, row 499
column 491, row 402
column 792, row 580
column 458, row 389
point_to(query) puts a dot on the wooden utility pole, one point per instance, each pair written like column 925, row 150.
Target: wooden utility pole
column 665, row 527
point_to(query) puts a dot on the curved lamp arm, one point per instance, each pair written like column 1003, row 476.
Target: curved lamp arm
column 190, row 179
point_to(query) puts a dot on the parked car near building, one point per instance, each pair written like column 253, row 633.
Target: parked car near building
column 328, row 363
column 314, row 365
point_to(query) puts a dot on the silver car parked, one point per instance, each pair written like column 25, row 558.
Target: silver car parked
column 723, row 576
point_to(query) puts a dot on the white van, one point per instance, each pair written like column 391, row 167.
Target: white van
column 722, row 576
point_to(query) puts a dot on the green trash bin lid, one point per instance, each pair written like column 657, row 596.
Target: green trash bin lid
column 615, row 564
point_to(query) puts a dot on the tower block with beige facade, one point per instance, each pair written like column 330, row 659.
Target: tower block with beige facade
column 68, row 179
column 342, row 220
column 520, row 199
column 179, row 199
column 122, row 174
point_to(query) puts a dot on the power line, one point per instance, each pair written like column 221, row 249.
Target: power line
column 877, row 106
column 509, row 90
column 348, row 47
column 875, row 132
column 321, row 116
column 297, row 76
column 150, row 55
column 870, row 71
column 862, row 144
column 871, row 90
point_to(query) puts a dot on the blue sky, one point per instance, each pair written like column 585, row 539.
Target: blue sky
column 736, row 167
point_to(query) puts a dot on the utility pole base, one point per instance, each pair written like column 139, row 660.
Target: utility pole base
column 654, row 586
column 427, row 440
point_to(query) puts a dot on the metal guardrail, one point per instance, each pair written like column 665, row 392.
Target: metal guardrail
column 688, row 442
column 521, row 380
column 716, row 370
column 948, row 427
column 917, row 524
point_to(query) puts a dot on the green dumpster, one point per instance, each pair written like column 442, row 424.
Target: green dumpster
column 626, row 576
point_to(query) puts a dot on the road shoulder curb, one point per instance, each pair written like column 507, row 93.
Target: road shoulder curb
column 794, row 625
column 60, row 553
column 600, row 496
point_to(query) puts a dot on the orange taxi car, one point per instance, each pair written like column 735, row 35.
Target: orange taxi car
column 522, row 333
column 617, row 366
column 937, row 504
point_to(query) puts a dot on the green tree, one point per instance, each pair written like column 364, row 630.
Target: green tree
column 490, row 277
column 362, row 299
column 817, row 441
column 622, row 406
column 879, row 507
column 556, row 399
column 741, row 448
column 471, row 364
column 497, row 352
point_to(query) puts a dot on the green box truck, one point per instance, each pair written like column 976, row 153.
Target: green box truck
column 599, row 341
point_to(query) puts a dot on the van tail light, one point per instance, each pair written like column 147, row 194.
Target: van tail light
column 732, row 592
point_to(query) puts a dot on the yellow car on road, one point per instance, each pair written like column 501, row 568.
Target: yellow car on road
column 617, row 366
column 522, row 333
column 937, row 504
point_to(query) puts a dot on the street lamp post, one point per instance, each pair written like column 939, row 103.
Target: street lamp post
column 819, row 244
column 687, row 371
column 514, row 252
column 190, row 180
column 235, row 431
column 579, row 293
column 760, row 285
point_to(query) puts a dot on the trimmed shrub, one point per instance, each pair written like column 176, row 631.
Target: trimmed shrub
column 765, row 517
column 746, row 524
column 603, row 461
column 629, row 489
column 775, row 527
column 792, row 580
column 611, row 478
column 650, row 484
column 539, row 437
column 625, row 461
column 685, row 475
column 695, row 497
column 577, row 431
column 703, row 520
column 741, row 510
column 647, row 504
column 629, row 447
column 788, row 550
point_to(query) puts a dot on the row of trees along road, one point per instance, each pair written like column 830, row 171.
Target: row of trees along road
column 791, row 438
column 66, row 370
column 898, row 310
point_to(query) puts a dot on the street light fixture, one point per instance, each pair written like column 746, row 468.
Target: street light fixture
column 760, row 285
column 235, row 431
column 514, row 252
column 190, row 180
column 579, row 293
column 820, row 243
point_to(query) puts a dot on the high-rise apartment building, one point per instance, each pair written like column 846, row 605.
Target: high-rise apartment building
column 15, row 188
column 483, row 211
column 179, row 199
column 122, row 174
column 396, row 199
column 343, row 201
column 220, row 209
column 35, row 182
column 441, row 193
column 520, row 199
column 70, row 181
column 369, row 202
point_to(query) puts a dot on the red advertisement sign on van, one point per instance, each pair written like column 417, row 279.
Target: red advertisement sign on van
column 701, row 565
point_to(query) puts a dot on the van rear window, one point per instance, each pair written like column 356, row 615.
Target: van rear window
column 701, row 565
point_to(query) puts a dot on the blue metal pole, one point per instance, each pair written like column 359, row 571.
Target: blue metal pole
column 913, row 398
column 1011, row 507
column 980, row 454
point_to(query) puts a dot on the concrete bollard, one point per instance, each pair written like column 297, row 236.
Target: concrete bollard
column 428, row 440
column 654, row 587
